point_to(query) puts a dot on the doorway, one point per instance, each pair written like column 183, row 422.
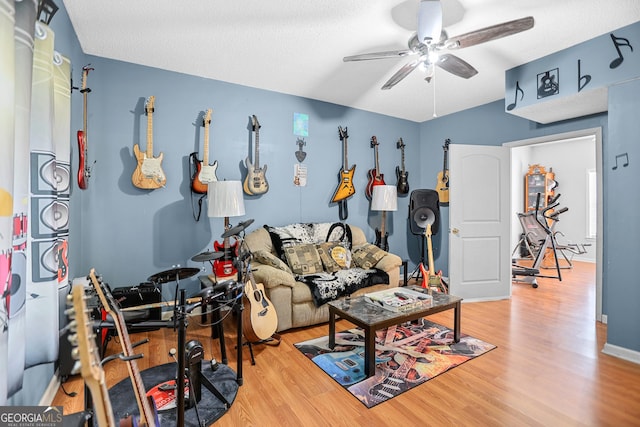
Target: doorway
column 534, row 149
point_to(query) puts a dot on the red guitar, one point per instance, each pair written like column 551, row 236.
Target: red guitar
column 223, row 267
column 375, row 177
column 84, row 171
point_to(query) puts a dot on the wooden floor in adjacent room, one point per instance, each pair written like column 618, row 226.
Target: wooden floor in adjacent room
column 548, row 369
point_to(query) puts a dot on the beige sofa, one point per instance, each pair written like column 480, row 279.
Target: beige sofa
column 293, row 300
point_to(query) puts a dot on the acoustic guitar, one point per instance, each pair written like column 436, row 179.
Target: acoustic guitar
column 442, row 187
column 260, row 320
column 223, row 267
column 148, row 416
column 401, row 174
column 84, row 171
column 205, row 172
column 148, row 174
column 345, row 188
column 255, row 182
column 86, row 352
column 431, row 279
column 375, row 177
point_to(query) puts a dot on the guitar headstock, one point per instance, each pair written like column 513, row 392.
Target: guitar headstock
column 207, row 117
column 343, row 133
column 254, row 123
column 400, row 144
column 106, row 299
column 149, row 104
column 374, row 141
column 85, row 73
column 83, row 338
column 446, row 144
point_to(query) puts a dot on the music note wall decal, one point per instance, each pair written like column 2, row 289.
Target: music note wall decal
column 626, row 160
column 515, row 97
column 617, row 43
column 583, row 80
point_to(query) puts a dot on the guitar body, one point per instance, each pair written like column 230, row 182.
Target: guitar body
column 442, row 187
column 255, row 182
column 403, row 181
column 345, row 188
column 83, row 175
column 203, row 176
column 223, row 267
column 259, row 320
column 148, row 174
column 373, row 181
column 431, row 279
column 382, row 240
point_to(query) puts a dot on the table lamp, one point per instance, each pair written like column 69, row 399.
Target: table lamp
column 384, row 198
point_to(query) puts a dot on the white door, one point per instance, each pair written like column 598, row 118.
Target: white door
column 479, row 222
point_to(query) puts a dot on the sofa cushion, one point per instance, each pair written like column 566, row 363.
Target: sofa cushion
column 303, row 259
column 267, row 258
column 367, row 255
column 295, row 234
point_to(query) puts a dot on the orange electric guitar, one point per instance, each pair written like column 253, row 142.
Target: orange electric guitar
column 345, row 188
column 431, row 280
column 84, row 171
column 375, row 177
column 148, row 174
column 205, row 173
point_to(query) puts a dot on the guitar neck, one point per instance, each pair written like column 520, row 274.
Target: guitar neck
column 150, row 133
column 377, row 164
column 430, row 249
column 402, row 158
column 207, row 121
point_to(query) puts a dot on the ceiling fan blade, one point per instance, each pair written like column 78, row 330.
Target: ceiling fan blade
column 455, row 65
column 379, row 55
column 401, row 74
column 490, row 33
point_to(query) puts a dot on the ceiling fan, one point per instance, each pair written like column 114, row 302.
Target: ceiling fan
column 430, row 40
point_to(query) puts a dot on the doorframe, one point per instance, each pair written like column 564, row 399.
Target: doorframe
column 597, row 133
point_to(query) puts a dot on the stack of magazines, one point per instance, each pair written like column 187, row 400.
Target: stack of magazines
column 399, row 299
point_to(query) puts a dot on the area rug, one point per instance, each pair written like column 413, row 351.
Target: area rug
column 407, row 355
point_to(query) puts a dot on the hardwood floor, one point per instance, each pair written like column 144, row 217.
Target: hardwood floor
column 548, row 370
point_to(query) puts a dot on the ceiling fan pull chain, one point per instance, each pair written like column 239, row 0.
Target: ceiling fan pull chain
column 434, row 94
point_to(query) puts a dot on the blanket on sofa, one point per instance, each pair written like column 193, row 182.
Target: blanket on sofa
column 326, row 287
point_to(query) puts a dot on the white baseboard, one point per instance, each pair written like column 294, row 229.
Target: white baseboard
column 51, row 390
column 622, row 353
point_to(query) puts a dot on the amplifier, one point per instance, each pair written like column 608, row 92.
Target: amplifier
column 132, row 296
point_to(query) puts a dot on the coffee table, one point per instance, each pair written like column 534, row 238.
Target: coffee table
column 371, row 318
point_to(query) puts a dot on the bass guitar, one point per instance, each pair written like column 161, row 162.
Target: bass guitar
column 205, row 173
column 223, row 267
column 148, row 416
column 431, row 279
column 401, row 174
column 442, row 187
column 84, row 171
column 148, row 174
column 375, row 177
column 255, row 182
column 260, row 321
column 345, row 188
column 87, row 353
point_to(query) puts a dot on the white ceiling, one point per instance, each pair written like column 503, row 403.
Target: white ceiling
column 296, row 46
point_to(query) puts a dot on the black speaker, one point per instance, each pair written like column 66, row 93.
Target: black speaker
column 424, row 208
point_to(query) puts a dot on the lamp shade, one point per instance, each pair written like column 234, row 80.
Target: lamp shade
column 225, row 199
column 384, row 198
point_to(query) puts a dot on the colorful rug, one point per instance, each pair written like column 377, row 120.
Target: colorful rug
column 407, row 355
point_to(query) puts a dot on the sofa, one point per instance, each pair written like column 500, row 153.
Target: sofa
column 287, row 260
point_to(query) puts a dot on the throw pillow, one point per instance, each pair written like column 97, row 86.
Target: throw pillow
column 266, row 258
column 303, row 259
column 367, row 255
column 342, row 256
column 325, row 251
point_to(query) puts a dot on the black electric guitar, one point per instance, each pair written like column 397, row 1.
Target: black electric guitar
column 442, row 187
column 401, row 174
column 255, row 182
column 382, row 237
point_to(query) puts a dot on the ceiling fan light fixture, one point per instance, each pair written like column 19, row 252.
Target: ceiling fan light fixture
column 429, row 21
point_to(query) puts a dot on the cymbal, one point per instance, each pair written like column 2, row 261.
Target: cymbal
column 237, row 229
column 173, row 275
column 207, row 256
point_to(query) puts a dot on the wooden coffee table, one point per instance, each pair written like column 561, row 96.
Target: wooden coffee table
column 371, row 318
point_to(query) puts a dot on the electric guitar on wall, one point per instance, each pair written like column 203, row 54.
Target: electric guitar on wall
column 375, row 177
column 148, row 174
column 205, row 173
column 345, row 188
column 255, row 182
column 442, row 187
column 87, row 353
column 401, row 174
column 431, row 280
column 148, row 416
column 84, row 171
column 260, row 320
column 223, row 267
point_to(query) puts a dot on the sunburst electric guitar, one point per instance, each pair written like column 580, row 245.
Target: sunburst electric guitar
column 255, row 182
column 205, row 172
column 442, row 187
column 431, row 279
column 375, row 177
column 345, row 188
column 84, row 171
column 260, row 321
column 148, row 416
column 401, row 174
column 148, row 174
